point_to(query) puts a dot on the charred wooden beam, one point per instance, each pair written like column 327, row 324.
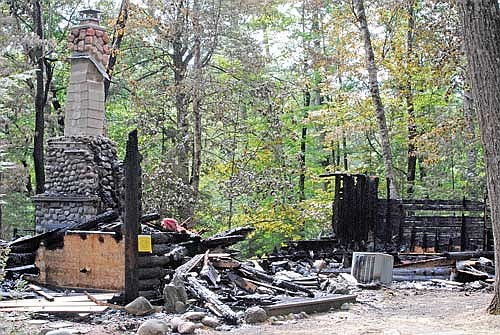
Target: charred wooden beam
column 222, row 242
column 235, row 231
column 31, row 269
column 185, row 268
column 242, row 283
column 173, row 238
column 428, row 263
column 89, row 224
column 132, row 215
column 20, row 259
column 150, row 217
column 427, row 272
column 285, row 284
column 321, row 304
column 203, row 293
column 30, row 244
column 149, row 284
column 161, row 249
column 464, row 255
column 153, row 261
column 150, row 273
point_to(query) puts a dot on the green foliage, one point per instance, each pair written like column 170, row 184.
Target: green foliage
column 269, row 73
column 18, row 212
column 4, row 256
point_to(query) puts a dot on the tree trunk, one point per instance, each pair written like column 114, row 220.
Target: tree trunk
column 59, row 113
column 481, row 30
column 470, row 141
column 412, row 127
column 302, row 156
column 38, row 156
column 375, row 94
column 197, row 143
column 307, row 103
column 29, row 185
column 118, row 32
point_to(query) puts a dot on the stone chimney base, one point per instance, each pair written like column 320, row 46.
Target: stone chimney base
column 84, row 178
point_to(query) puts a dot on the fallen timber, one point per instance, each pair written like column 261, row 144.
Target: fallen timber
column 316, row 305
column 197, row 289
column 285, row 284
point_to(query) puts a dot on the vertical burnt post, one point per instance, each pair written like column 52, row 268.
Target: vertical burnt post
column 372, row 208
column 132, row 214
column 349, row 213
column 436, row 241
column 413, row 234
column 401, row 215
column 425, row 243
column 388, row 223
column 463, row 230
column 485, row 227
column 337, row 203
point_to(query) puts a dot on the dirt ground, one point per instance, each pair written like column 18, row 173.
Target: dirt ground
column 398, row 313
column 384, row 312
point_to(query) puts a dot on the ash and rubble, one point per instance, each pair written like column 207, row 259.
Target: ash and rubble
column 207, row 286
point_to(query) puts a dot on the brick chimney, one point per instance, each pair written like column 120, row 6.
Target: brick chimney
column 88, row 42
column 83, row 173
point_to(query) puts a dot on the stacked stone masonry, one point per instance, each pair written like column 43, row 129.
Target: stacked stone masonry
column 60, row 212
column 91, row 39
column 84, row 178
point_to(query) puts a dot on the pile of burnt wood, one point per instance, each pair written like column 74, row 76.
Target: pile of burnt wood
column 185, row 271
column 224, row 285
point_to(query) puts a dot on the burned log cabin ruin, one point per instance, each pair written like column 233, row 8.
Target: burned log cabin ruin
column 89, row 218
column 361, row 221
column 92, row 234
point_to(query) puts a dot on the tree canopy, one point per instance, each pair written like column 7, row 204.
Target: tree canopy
column 241, row 105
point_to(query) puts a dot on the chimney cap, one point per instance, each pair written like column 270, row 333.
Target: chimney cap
column 90, row 15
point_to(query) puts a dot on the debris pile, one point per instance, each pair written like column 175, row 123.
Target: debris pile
column 203, row 281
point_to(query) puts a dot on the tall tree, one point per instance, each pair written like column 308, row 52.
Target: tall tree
column 410, row 107
column 371, row 67
column 40, row 99
column 481, row 30
column 118, row 33
column 470, row 141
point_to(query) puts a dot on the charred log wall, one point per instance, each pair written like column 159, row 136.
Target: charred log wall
column 354, row 209
column 434, row 225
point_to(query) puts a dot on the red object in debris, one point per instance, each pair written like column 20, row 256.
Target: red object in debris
column 170, row 224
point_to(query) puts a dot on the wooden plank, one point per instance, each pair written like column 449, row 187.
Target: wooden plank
column 185, row 268
column 226, row 263
column 58, row 309
column 38, row 290
column 313, row 305
column 43, row 303
column 242, row 283
column 286, row 284
column 59, row 300
column 132, row 215
column 197, row 289
column 428, row 263
column 279, row 289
